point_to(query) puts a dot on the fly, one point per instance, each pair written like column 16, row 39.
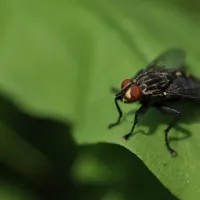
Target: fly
column 163, row 81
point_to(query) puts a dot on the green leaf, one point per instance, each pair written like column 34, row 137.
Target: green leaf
column 135, row 35
column 60, row 58
column 13, row 192
column 118, row 175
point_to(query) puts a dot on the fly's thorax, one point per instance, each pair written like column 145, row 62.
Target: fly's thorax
column 154, row 83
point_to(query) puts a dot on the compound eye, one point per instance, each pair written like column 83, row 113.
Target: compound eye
column 135, row 93
column 125, row 83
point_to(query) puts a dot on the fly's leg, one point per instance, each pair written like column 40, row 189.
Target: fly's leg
column 176, row 114
column 120, row 114
column 141, row 110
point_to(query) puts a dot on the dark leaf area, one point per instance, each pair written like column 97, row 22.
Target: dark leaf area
column 106, row 170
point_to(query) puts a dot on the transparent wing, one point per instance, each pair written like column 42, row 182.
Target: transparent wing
column 186, row 93
column 171, row 59
column 183, row 87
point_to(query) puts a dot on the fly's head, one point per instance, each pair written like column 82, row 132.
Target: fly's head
column 130, row 92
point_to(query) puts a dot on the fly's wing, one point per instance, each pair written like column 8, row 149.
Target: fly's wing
column 170, row 59
column 184, row 87
column 186, row 93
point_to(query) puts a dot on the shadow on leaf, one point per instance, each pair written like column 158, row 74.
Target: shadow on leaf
column 153, row 118
column 119, row 171
column 39, row 155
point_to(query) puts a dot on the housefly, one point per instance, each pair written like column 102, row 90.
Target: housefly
column 162, row 82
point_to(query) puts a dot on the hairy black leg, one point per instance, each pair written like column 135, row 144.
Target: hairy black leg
column 120, row 114
column 140, row 111
column 176, row 114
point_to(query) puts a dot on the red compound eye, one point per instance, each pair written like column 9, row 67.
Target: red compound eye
column 125, row 83
column 135, row 93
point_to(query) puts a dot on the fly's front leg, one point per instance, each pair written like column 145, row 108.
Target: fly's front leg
column 141, row 110
column 176, row 114
column 120, row 114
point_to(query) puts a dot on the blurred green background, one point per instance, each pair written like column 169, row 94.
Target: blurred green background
column 58, row 61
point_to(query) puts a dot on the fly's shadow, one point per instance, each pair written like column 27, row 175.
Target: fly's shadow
column 153, row 118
